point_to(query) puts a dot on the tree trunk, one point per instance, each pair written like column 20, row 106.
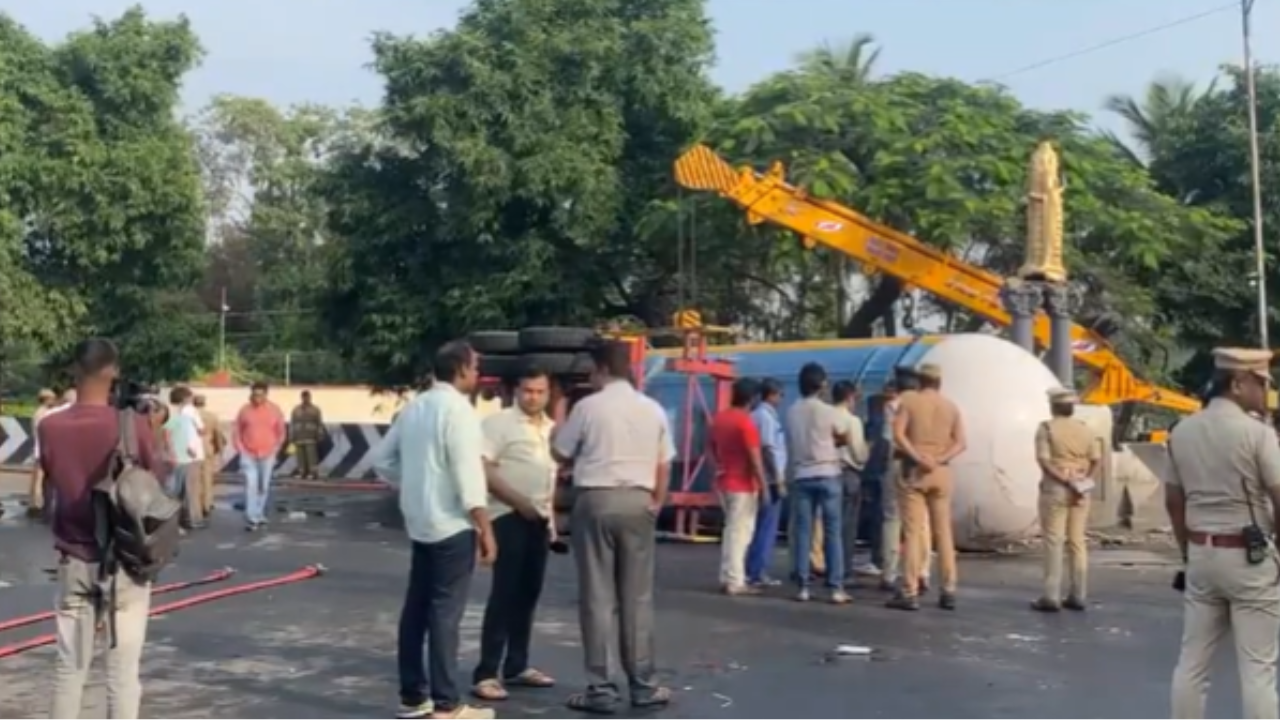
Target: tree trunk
column 877, row 305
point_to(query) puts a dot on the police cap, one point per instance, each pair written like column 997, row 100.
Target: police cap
column 929, row 371
column 1063, row 396
column 1250, row 360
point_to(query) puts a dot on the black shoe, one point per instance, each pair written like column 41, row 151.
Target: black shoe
column 1045, row 605
column 902, row 602
column 947, row 601
column 1075, row 604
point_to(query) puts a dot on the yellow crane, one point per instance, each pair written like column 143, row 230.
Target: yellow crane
column 767, row 197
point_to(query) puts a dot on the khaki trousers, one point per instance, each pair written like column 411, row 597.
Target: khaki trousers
column 1063, row 521
column 208, row 480
column 924, row 501
column 35, row 493
column 1226, row 595
column 78, row 618
column 739, row 526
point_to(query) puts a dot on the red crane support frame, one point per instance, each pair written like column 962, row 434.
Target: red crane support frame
column 692, row 362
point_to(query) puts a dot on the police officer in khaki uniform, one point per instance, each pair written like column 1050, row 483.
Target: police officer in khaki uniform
column 1223, row 497
column 1068, row 452
column 929, row 433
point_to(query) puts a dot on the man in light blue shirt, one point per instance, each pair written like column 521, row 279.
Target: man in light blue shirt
column 773, row 445
column 433, row 453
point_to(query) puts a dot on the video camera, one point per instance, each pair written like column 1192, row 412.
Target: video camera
column 131, row 395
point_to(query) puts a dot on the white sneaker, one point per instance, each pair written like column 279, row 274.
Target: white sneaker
column 867, row 569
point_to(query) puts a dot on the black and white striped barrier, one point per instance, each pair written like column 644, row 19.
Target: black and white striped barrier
column 346, row 454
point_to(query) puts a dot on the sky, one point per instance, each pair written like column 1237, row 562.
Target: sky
column 317, row 51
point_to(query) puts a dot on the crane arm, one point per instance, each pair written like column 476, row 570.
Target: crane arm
column 769, row 198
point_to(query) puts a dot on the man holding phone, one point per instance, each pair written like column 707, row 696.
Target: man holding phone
column 521, row 475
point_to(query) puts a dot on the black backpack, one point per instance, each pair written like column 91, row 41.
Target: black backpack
column 136, row 523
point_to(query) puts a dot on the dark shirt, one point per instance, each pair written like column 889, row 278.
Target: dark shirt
column 76, row 449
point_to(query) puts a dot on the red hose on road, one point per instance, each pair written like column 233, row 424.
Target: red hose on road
column 219, row 576
column 307, row 573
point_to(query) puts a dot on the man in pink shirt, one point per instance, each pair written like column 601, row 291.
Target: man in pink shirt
column 259, row 435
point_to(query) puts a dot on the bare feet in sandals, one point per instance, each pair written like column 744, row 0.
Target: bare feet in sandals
column 490, row 691
column 531, row 678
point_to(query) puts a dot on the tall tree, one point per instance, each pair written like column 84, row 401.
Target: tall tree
column 946, row 162
column 521, row 155
column 262, row 169
column 102, row 198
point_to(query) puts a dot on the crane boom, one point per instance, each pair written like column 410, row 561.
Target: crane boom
column 767, row 197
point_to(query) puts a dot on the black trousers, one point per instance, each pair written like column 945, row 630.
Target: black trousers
column 518, row 574
column 439, row 579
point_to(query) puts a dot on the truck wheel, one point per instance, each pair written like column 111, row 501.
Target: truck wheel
column 503, row 367
column 556, row 339
column 560, row 365
column 495, row 342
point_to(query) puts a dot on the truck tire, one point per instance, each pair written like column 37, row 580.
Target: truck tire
column 495, row 342
column 503, row 367
column 556, row 339
column 560, row 365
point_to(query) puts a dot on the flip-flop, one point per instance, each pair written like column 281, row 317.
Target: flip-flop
column 490, row 691
column 531, row 678
column 583, row 703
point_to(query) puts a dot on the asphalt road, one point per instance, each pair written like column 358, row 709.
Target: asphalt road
column 325, row 648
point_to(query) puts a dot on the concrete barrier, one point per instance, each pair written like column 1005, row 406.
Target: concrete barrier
column 346, row 454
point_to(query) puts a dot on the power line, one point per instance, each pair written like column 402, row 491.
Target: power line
column 1106, row 44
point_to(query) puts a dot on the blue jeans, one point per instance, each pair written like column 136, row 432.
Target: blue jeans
column 764, row 540
column 258, row 474
column 825, row 495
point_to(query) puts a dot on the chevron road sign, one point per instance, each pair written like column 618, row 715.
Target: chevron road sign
column 347, row 453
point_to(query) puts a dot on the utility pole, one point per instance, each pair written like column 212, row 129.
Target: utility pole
column 1255, row 171
column 222, row 330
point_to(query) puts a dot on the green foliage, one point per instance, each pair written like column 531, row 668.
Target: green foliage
column 520, row 153
column 98, row 183
column 519, row 172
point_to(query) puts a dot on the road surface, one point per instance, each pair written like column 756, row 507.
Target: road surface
column 325, row 649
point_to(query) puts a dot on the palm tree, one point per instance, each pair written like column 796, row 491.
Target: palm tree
column 853, row 62
column 1166, row 102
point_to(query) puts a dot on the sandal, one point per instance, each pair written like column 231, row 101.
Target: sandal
column 584, row 703
column 531, row 678
column 660, row 697
column 490, row 691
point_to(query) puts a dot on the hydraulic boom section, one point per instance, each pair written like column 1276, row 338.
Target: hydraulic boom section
column 767, row 197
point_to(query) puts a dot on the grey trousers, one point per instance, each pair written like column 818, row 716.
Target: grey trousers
column 78, row 622
column 851, row 510
column 612, row 532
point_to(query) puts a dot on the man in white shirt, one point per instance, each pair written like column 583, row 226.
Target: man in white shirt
column 522, row 479
column 46, row 400
column 853, row 461
column 433, row 453
column 187, row 440
column 621, row 448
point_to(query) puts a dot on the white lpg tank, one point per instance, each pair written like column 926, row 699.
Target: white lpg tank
column 1002, row 393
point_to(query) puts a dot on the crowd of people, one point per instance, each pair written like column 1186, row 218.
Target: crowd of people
column 889, row 475
column 476, row 492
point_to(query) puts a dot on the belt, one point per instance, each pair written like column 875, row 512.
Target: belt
column 1234, row 540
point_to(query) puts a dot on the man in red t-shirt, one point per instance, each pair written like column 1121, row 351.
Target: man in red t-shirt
column 735, row 448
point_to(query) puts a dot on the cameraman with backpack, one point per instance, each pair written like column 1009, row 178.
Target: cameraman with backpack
column 79, row 450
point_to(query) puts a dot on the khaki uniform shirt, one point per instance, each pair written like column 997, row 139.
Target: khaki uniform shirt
column 1069, row 446
column 211, row 433
column 307, row 424
column 933, row 421
column 1225, row 461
